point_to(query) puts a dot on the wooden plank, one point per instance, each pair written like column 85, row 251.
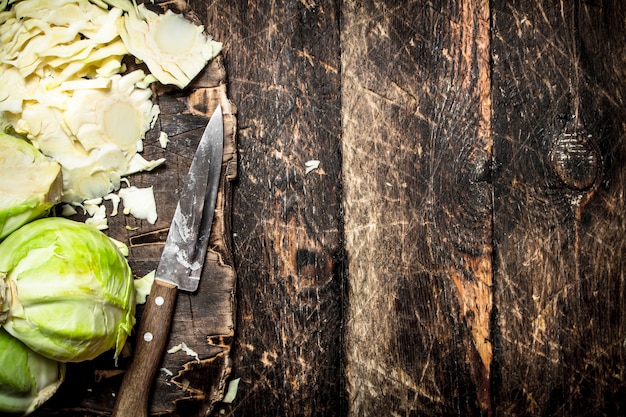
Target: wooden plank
column 559, row 225
column 283, row 69
column 417, row 151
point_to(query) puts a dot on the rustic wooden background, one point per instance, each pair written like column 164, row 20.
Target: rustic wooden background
column 460, row 249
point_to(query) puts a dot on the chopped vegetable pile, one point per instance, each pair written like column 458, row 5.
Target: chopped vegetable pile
column 73, row 118
column 65, row 86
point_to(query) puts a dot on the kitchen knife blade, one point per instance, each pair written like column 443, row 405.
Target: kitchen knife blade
column 180, row 267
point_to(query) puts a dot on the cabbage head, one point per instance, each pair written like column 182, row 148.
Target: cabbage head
column 68, row 291
column 27, row 379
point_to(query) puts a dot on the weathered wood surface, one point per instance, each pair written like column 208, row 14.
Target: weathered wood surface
column 459, row 250
column 417, row 151
column 559, row 129
column 283, row 69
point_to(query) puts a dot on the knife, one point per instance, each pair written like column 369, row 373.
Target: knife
column 180, row 268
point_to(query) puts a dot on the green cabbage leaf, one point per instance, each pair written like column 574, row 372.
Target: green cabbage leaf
column 27, row 379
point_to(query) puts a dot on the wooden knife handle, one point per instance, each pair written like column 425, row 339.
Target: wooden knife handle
column 152, row 333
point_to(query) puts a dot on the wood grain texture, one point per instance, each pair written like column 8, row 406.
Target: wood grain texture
column 417, row 150
column 458, row 251
column 559, row 228
column 283, row 69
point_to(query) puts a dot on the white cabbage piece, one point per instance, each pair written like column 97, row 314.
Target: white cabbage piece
column 94, row 175
column 140, row 203
column 43, row 126
column 143, row 286
column 99, row 218
column 115, row 200
column 174, row 49
column 120, row 114
column 231, row 393
column 12, row 89
column 138, row 164
column 163, row 139
column 183, row 346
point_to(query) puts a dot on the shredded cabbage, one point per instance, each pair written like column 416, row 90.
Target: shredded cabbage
column 139, row 202
column 173, row 48
column 65, row 86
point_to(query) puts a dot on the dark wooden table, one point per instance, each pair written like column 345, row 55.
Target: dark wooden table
column 458, row 251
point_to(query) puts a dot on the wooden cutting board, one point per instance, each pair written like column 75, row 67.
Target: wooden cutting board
column 203, row 321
